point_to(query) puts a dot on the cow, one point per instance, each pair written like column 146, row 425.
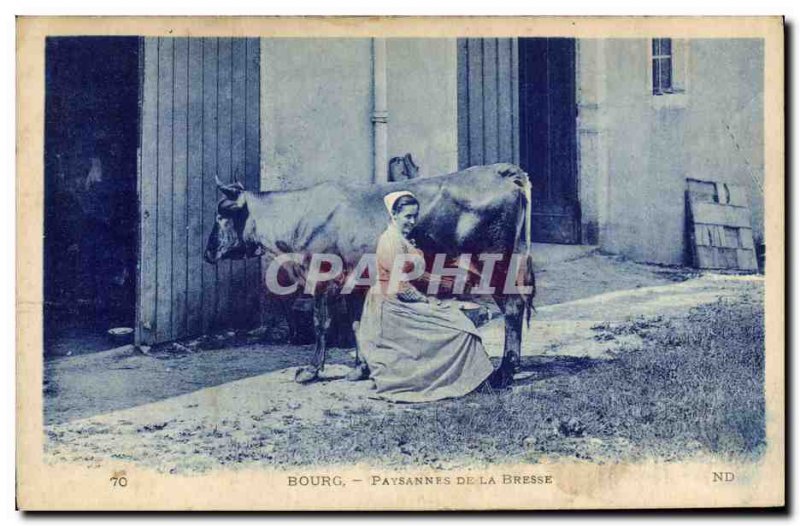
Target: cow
column 479, row 210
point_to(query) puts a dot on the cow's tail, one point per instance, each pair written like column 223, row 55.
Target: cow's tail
column 529, row 278
column 525, row 275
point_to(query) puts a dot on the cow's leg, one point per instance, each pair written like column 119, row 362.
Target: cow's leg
column 322, row 321
column 512, row 307
column 355, row 305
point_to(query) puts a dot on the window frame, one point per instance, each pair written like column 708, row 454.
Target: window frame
column 659, row 58
column 681, row 68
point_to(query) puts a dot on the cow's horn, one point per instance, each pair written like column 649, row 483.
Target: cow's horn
column 219, row 183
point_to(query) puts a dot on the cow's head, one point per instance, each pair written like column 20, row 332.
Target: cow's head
column 233, row 234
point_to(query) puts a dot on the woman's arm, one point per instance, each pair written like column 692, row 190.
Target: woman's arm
column 390, row 247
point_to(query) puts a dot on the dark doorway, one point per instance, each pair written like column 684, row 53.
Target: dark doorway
column 548, row 151
column 90, row 223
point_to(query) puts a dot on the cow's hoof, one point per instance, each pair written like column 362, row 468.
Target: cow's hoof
column 305, row 375
column 358, row 373
column 512, row 363
column 502, row 377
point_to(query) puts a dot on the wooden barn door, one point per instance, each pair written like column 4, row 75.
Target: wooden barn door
column 517, row 104
column 548, row 135
column 199, row 118
column 488, row 124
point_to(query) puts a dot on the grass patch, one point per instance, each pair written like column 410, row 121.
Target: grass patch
column 694, row 386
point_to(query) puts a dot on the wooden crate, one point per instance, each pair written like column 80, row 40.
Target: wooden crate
column 720, row 231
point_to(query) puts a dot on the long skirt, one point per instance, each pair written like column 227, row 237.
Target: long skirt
column 420, row 352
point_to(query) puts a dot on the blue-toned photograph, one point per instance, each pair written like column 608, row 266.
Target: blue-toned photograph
column 445, row 253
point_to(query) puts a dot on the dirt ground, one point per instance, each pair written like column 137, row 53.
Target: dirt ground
column 193, row 411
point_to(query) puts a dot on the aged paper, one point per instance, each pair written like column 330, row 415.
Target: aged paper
column 168, row 162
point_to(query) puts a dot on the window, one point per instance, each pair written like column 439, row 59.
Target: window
column 662, row 66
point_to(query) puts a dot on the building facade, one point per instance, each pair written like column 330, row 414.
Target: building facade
column 638, row 145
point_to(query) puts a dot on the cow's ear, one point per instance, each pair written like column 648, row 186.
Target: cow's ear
column 232, row 191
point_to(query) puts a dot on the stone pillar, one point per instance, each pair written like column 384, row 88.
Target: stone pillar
column 593, row 177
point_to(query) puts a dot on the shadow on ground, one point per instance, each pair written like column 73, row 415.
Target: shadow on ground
column 537, row 368
column 88, row 385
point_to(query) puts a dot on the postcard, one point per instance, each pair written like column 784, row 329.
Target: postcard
column 400, row 263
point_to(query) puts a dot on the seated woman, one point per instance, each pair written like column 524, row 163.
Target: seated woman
column 417, row 348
